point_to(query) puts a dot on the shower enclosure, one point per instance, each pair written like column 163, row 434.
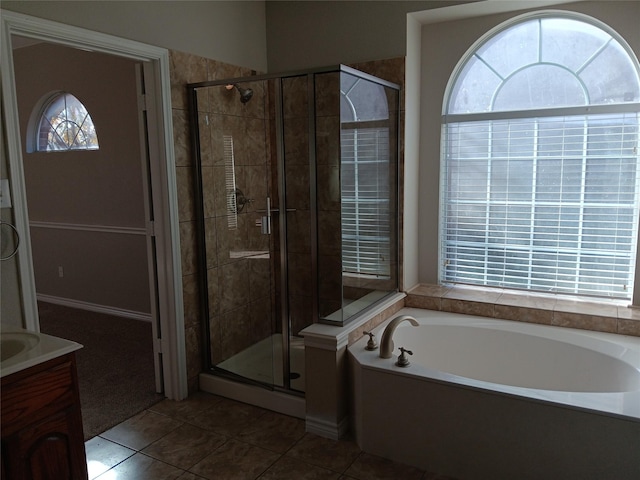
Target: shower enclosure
column 295, row 191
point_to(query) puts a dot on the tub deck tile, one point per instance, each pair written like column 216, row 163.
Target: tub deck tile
column 523, row 314
column 585, row 322
column 613, row 316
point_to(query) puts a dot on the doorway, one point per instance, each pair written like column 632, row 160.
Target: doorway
column 88, row 213
column 164, row 226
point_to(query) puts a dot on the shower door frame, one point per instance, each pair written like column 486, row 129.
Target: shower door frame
column 203, row 281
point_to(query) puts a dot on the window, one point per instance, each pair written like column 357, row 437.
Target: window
column 365, row 178
column 65, row 124
column 540, row 177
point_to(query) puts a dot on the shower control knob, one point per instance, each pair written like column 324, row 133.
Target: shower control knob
column 372, row 344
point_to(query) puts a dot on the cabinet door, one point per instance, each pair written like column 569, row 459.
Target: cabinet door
column 47, row 450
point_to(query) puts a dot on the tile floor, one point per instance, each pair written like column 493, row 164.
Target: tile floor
column 210, row 437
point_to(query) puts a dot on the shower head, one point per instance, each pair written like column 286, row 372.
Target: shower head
column 245, row 93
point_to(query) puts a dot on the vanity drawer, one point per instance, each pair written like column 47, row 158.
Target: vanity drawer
column 42, row 434
column 39, row 394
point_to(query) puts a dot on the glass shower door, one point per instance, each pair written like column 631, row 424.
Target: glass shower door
column 244, row 337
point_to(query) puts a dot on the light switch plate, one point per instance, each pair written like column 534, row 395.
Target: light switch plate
column 5, row 194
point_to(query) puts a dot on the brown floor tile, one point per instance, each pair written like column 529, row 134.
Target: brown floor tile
column 102, row 454
column 228, row 417
column 335, row 455
column 235, row 461
column 140, row 467
column 194, row 435
column 190, row 476
column 287, row 468
column 186, row 410
column 185, row 446
column 371, row 467
column 274, row 431
column 141, row 430
column 437, row 476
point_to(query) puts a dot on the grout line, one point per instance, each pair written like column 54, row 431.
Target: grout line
column 354, row 461
column 266, row 469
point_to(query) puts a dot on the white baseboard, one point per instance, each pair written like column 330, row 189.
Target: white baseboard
column 326, row 429
column 291, row 405
column 93, row 307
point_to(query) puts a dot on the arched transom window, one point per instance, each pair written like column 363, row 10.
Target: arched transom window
column 540, row 160
column 65, row 124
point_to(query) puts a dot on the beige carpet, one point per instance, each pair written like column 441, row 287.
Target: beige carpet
column 115, row 367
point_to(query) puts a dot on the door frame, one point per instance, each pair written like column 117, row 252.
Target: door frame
column 165, row 198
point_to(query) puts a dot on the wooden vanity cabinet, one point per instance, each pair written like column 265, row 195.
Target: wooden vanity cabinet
column 42, row 437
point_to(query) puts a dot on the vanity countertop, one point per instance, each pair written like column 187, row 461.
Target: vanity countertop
column 21, row 349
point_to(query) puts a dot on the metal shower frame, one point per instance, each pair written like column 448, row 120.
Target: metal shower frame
column 203, row 282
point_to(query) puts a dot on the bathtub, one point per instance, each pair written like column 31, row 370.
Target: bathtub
column 495, row 399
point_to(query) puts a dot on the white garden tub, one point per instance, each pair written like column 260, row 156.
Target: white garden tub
column 486, row 398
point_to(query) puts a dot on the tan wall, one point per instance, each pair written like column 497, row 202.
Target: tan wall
column 308, row 34
column 86, row 189
column 299, row 34
column 11, row 311
column 232, row 31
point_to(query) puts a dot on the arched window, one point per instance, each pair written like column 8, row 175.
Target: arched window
column 64, row 124
column 540, row 160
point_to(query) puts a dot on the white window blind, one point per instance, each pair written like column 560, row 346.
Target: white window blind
column 366, row 223
column 540, row 160
column 543, row 203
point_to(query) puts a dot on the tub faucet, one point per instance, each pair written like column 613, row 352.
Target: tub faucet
column 386, row 344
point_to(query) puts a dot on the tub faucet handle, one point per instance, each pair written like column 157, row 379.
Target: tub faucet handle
column 372, row 344
column 403, row 361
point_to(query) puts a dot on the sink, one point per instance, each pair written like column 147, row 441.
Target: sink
column 15, row 343
column 21, row 349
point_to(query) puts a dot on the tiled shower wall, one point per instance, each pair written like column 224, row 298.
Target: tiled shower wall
column 238, row 254
column 231, row 293
column 184, row 69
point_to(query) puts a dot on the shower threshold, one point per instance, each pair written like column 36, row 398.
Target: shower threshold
column 262, row 362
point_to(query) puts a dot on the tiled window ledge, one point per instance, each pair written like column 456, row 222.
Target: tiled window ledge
column 558, row 310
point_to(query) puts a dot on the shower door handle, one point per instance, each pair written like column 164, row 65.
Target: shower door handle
column 265, row 221
column 265, row 225
column 277, row 210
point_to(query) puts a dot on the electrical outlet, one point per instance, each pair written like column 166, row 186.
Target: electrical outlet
column 60, row 272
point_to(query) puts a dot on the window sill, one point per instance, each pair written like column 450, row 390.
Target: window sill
column 609, row 316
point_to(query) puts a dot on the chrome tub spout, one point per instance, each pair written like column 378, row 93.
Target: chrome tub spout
column 386, row 344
